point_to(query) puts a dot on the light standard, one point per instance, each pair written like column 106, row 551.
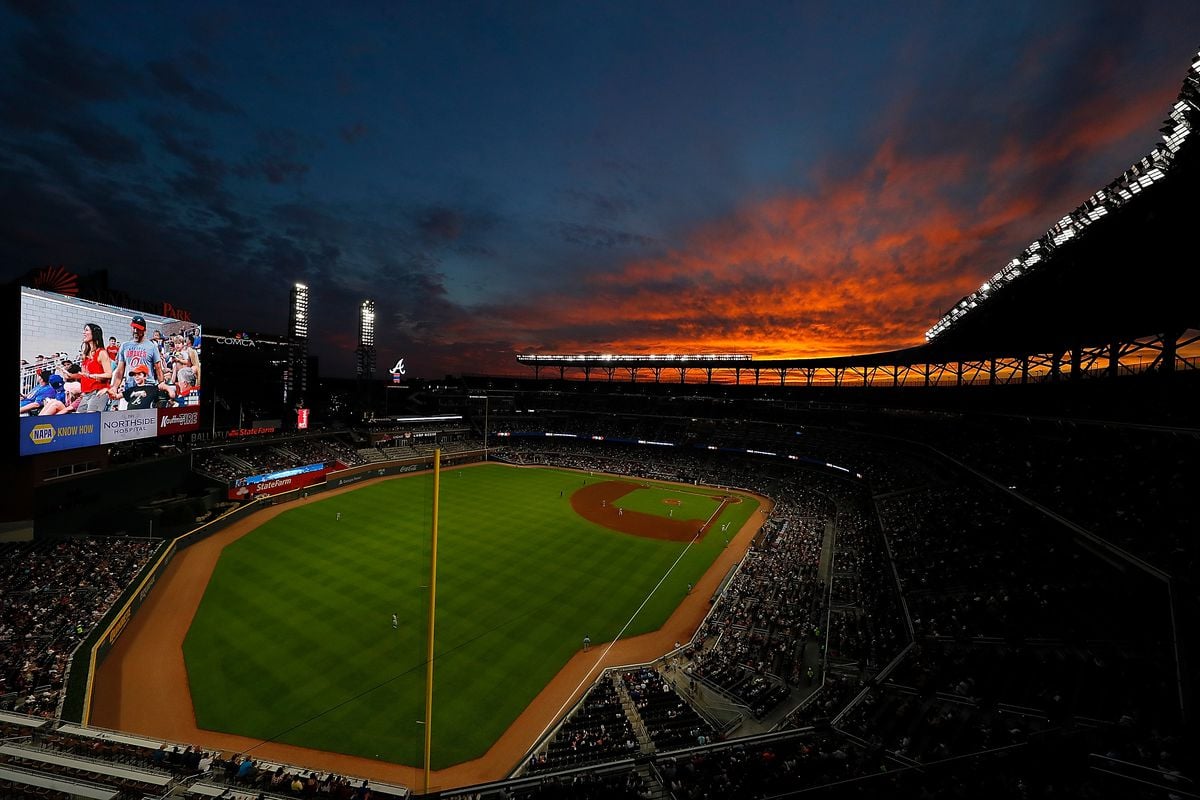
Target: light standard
column 484, row 398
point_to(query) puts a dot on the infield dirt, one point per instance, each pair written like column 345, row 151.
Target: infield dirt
column 597, row 502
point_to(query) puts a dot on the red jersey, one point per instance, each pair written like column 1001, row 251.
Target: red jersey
column 91, row 365
column 113, row 349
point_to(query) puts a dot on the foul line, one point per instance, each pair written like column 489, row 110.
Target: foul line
column 720, row 507
column 554, row 721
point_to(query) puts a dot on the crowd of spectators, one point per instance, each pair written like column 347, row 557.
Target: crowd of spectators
column 691, row 426
column 625, row 783
column 188, row 764
column 966, row 559
column 1018, row 627
column 765, row 635
column 278, row 779
column 1119, row 482
column 605, row 725
column 1023, row 636
column 228, row 464
column 52, row 594
column 668, row 464
column 1098, row 679
column 599, row 730
column 762, row 770
column 773, row 610
column 670, row 722
column 389, row 442
column 866, row 624
column 931, row 728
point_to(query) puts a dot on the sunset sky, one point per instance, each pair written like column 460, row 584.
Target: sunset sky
column 783, row 179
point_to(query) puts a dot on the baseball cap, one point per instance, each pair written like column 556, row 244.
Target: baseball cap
column 142, row 368
column 138, row 322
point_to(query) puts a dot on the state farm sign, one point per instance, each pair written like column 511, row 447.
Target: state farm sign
column 277, row 485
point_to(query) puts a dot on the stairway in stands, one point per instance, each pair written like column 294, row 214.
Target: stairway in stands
column 635, row 719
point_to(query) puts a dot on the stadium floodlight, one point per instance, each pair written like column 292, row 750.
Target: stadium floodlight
column 486, row 402
column 366, row 323
column 299, row 312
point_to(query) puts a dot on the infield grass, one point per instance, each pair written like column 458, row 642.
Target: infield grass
column 293, row 640
column 683, row 502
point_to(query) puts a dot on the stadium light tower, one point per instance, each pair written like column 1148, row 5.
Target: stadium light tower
column 365, row 353
column 484, row 398
column 298, row 340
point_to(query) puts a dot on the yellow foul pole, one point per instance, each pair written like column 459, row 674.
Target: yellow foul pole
column 437, row 477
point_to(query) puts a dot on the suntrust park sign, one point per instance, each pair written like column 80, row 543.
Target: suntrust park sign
column 123, row 426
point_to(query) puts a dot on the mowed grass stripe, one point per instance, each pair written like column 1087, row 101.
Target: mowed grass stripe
column 294, row 640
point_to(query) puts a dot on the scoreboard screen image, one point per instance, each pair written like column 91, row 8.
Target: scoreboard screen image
column 93, row 373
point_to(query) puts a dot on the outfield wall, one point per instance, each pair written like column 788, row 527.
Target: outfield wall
column 75, row 705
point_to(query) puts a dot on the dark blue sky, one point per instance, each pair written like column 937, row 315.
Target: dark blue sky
column 782, row 179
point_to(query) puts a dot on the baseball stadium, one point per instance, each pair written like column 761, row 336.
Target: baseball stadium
column 965, row 568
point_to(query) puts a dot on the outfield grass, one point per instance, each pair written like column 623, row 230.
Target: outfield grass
column 293, row 640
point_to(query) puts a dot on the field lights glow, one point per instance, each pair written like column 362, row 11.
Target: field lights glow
column 1143, row 174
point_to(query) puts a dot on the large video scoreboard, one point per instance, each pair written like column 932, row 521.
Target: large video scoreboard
column 92, row 373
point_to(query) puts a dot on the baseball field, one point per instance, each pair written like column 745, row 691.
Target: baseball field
column 294, row 640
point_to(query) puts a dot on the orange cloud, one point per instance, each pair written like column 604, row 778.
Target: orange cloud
column 861, row 264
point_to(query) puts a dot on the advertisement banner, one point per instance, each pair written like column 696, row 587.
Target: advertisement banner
column 66, row 341
column 124, row 426
column 277, row 485
column 58, row 432
column 178, row 420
